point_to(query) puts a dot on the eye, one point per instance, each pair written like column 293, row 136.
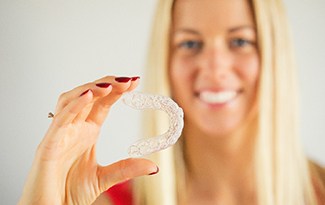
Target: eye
column 240, row 42
column 191, row 44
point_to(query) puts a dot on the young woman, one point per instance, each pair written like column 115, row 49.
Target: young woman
column 228, row 64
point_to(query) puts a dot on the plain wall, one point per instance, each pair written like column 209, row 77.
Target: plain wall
column 48, row 47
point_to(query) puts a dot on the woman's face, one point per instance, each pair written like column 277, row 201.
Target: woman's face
column 214, row 63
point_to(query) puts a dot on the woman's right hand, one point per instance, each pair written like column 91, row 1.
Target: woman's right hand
column 65, row 170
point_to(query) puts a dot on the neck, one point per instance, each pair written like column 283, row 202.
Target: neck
column 220, row 167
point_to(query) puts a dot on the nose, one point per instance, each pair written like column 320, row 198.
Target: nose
column 215, row 61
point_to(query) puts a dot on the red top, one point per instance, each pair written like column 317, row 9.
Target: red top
column 120, row 194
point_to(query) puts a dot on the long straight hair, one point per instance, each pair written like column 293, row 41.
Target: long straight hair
column 281, row 167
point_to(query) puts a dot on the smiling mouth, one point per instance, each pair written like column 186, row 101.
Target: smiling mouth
column 220, row 97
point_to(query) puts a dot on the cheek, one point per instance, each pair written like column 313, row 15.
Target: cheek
column 248, row 69
column 180, row 74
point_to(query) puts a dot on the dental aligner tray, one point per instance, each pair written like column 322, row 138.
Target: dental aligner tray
column 141, row 101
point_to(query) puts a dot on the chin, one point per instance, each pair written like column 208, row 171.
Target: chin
column 220, row 128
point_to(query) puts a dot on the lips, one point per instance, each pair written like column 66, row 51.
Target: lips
column 220, row 97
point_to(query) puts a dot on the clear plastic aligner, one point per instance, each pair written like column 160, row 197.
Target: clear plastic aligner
column 142, row 101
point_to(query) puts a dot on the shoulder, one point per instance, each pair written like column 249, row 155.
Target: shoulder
column 319, row 171
column 120, row 194
column 318, row 178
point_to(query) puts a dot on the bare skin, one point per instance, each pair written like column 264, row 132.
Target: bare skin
column 214, row 71
column 65, row 170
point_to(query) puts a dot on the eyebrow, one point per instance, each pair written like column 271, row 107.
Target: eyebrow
column 231, row 30
column 241, row 28
column 187, row 30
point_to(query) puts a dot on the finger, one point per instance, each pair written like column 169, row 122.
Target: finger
column 135, row 81
column 124, row 170
column 69, row 113
column 102, row 106
column 102, row 89
column 69, row 96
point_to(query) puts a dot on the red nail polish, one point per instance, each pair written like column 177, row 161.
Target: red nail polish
column 135, row 78
column 153, row 173
column 84, row 93
column 103, row 85
column 122, row 79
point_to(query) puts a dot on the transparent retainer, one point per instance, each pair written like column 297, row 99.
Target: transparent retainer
column 140, row 101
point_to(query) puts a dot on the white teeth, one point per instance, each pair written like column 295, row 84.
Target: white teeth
column 217, row 97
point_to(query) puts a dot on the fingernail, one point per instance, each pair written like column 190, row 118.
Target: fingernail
column 135, row 78
column 122, row 79
column 84, row 93
column 153, row 173
column 103, row 85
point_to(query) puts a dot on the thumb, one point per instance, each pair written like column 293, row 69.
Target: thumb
column 124, row 170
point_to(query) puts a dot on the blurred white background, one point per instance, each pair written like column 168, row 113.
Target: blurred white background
column 48, row 47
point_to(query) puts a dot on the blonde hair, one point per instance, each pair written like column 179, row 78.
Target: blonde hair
column 282, row 171
column 281, row 166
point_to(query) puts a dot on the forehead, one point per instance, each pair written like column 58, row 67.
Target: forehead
column 210, row 13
